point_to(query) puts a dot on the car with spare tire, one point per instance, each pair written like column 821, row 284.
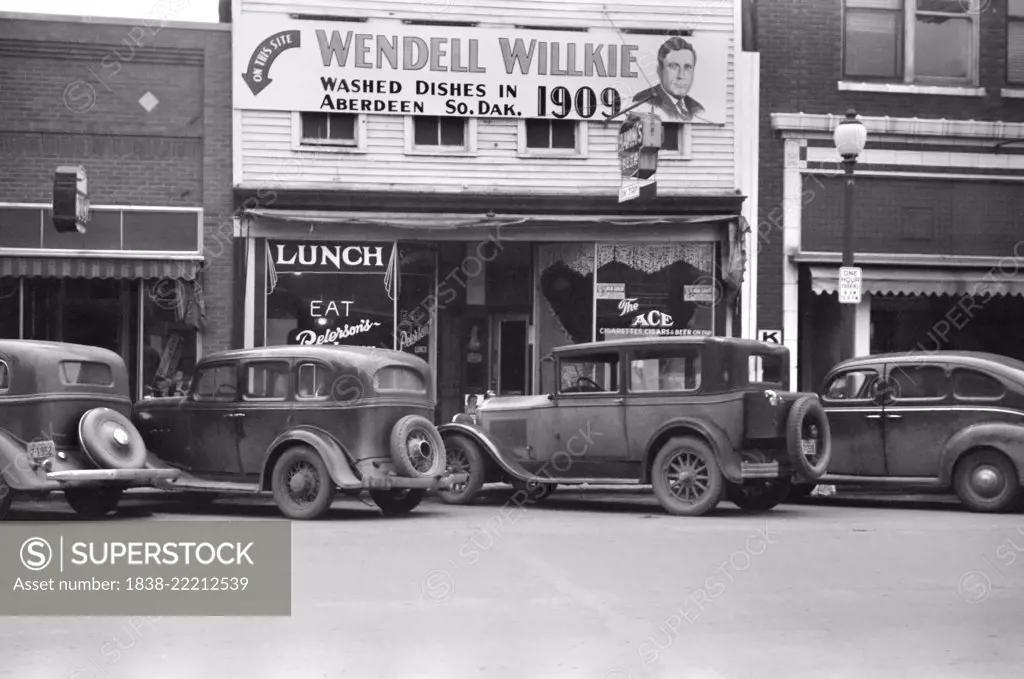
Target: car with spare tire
column 65, row 426
column 700, row 419
column 300, row 423
column 932, row 422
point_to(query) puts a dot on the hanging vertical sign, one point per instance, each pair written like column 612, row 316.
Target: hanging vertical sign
column 640, row 138
column 70, row 199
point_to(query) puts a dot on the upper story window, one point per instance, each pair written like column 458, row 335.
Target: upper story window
column 332, row 129
column 923, row 42
column 434, row 132
column 552, row 137
column 1015, row 42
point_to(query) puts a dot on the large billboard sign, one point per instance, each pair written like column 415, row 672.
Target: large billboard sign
column 392, row 68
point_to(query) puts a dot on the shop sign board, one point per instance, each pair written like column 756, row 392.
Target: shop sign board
column 380, row 66
column 850, row 283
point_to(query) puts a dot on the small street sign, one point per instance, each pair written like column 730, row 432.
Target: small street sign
column 770, row 336
column 637, row 190
column 850, row 284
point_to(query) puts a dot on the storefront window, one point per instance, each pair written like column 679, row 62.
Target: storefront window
column 10, row 308
column 416, row 302
column 168, row 339
column 566, row 299
column 331, row 294
column 655, row 290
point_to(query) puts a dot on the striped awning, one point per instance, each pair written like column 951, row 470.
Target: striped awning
column 98, row 267
column 918, row 281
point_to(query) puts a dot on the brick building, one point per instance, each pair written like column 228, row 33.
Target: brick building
column 385, row 203
column 145, row 107
column 939, row 84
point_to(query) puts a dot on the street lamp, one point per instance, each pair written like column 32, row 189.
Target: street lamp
column 850, row 136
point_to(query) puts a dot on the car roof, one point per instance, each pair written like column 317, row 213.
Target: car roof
column 667, row 341
column 975, row 359
column 28, row 350
column 329, row 353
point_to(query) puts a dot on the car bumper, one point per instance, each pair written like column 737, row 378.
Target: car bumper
column 139, row 477
column 430, row 483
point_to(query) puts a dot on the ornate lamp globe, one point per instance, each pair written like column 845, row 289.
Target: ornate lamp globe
column 850, row 136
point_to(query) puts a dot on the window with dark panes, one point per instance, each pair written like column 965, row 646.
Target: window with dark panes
column 969, row 384
column 313, row 381
column 911, row 41
column 329, row 128
column 439, row 131
column 855, row 384
column 1015, row 42
column 919, row 381
column 589, row 374
column 671, row 133
column 269, row 379
column 217, row 383
column 551, row 134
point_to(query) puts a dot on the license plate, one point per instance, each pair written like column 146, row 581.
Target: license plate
column 40, row 450
column 810, row 447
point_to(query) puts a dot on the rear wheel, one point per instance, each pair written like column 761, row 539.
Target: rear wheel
column 397, row 502
column 986, row 481
column 686, row 477
column 759, row 496
column 303, row 488
column 93, row 503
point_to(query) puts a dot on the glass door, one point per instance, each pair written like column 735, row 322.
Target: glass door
column 512, row 357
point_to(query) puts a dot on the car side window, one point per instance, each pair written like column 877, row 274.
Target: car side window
column 313, row 381
column 5, row 377
column 677, row 370
column 918, row 381
column 216, row 383
column 590, row 374
column 851, row 385
column 971, row 384
column 267, row 380
column 765, row 369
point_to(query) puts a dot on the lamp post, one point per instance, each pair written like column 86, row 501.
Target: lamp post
column 850, row 136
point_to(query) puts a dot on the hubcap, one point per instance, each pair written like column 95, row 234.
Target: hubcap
column 120, row 437
column 688, row 476
column 987, row 481
column 421, row 452
column 303, row 482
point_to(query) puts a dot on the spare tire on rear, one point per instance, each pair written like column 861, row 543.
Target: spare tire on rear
column 417, row 448
column 807, row 421
column 111, row 440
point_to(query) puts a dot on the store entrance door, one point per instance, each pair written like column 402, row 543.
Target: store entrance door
column 512, row 359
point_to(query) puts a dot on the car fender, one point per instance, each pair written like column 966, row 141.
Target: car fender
column 1004, row 437
column 480, row 437
column 338, row 465
column 688, row 426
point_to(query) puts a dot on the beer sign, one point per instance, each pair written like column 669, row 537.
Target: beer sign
column 640, row 138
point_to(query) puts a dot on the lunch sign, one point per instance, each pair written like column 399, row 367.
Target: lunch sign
column 391, row 68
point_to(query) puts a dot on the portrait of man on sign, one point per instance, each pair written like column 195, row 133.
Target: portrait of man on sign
column 676, row 63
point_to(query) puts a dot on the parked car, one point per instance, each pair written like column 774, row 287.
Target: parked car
column 300, row 422
column 939, row 422
column 64, row 425
column 701, row 419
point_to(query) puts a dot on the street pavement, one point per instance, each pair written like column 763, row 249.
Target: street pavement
column 590, row 585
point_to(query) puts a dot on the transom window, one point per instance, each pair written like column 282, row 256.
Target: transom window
column 336, row 129
column 589, row 374
column 927, row 42
column 267, row 380
column 678, row 370
column 439, row 132
column 551, row 134
column 1015, row 42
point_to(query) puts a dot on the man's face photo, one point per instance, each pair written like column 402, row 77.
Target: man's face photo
column 676, row 72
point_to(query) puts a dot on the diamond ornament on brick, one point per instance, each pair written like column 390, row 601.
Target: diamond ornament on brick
column 148, row 101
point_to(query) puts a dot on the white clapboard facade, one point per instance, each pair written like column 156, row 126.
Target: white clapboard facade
column 438, row 125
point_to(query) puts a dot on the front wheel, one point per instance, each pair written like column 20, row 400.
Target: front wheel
column 93, row 503
column 463, row 457
column 686, row 477
column 759, row 496
column 397, row 502
column 986, row 481
column 303, row 488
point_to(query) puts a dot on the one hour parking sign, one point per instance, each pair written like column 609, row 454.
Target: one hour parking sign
column 850, row 279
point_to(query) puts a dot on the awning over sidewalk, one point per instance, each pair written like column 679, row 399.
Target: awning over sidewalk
column 312, row 224
column 98, row 267
column 925, row 281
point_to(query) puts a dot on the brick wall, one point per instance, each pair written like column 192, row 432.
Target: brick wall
column 70, row 94
column 801, row 64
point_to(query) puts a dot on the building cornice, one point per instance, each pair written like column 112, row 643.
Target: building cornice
column 115, row 21
column 815, row 124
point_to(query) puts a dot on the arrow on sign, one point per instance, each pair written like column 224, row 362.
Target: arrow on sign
column 257, row 76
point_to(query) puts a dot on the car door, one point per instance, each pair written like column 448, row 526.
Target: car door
column 855, row 417
column 587, row 433
column 211, row 410
column 918, row 416
column 266, row 408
